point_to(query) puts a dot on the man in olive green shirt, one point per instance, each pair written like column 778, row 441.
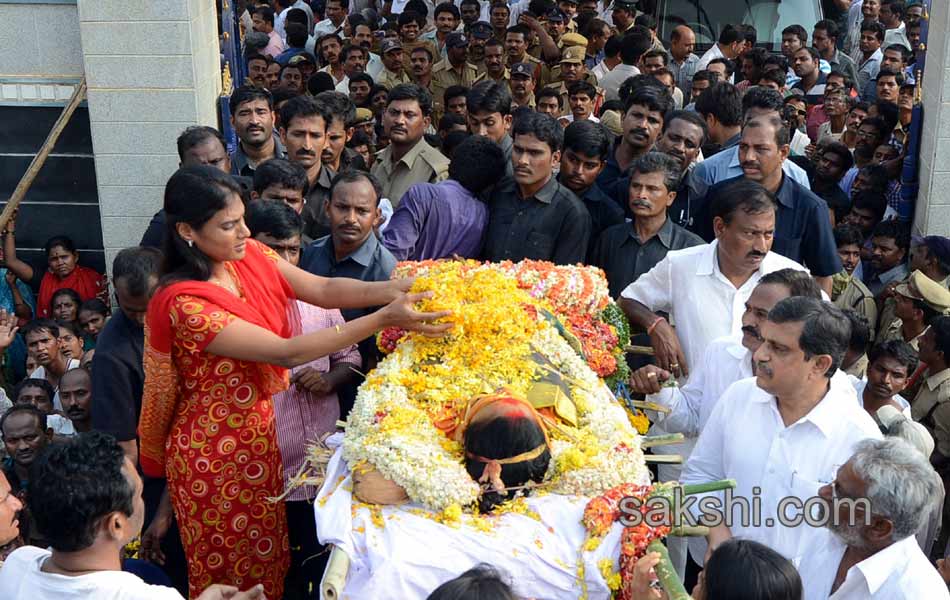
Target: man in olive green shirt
column 408, row 159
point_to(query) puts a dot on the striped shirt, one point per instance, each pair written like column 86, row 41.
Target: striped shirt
column 302, row 418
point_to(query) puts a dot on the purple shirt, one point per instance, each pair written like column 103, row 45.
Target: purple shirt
column 436, row 220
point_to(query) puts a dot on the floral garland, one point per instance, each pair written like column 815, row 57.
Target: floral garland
column 599, row 517
column 577, row 295
column 394, row 426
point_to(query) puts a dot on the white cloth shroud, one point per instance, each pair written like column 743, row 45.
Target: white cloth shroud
column 412, row 554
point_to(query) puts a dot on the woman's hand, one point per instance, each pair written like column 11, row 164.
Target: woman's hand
column 229, row 592
column 401, row 286
column 401, row 313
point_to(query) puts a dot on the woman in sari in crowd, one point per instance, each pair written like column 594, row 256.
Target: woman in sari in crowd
column 221, row 332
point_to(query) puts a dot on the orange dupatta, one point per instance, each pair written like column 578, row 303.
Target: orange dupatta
column 268, row 302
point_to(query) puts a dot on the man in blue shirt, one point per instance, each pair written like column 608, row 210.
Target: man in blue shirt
column 725, row 165
column 352, row 250
column 803, row 224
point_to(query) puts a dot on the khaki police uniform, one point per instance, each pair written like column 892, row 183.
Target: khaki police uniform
column 422, row 164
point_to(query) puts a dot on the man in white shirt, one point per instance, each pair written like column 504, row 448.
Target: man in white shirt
column 891, row 16
column 890, row 366
column 784, row 433
column 336, row 12
column 42, row 343
column 879, row 500
column 10, row 505
column 727, row 359
column 86, row 496
column 632, row 46
column 729, row 46
column 704, row 289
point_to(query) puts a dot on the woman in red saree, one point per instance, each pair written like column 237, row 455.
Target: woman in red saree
column 220, row 334
column 64, row 271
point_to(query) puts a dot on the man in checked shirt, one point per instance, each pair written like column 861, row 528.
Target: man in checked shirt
column 309, row 408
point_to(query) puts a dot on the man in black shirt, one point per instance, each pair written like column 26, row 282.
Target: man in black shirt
column 586, row 145
column 684, row 133
column 832, row 161
column 531, row 215
column 118, row 378
column 252, row 117
column 305, row 122
column 628, row 250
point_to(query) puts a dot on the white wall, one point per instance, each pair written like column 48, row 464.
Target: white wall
column 153, row 69
column 932, row 215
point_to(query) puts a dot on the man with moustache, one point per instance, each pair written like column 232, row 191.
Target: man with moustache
column 304, row 124
column 522, row 85
column 420, row 61
column 644, row 114
column 25, row 436
column 873, row 552
column 252, row 117
column 625, row 251
column 806, row 420
column 75, row 392
column 722, row 274
column 10, row 507
column 803, row 228
column 495, row 66
column 408, row 159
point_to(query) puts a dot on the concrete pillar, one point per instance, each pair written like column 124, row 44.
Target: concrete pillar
column 152, row 70
column 932, row 215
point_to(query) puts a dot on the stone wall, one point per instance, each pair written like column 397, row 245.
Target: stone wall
column 932, row 215
column 152, row 68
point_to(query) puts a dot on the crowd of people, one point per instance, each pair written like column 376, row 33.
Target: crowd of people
column 746, row 209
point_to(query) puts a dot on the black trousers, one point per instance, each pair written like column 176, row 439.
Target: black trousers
column 176, row 566
column 308, row 558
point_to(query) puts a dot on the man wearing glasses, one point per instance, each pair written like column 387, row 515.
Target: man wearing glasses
column 807, row 422
column 876, row 503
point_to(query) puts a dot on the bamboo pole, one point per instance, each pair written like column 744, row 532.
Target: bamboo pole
column 690, row 531
column 40, row 159
column 663, row 458
column 667, row 574
column 712, row 486
column 642, row 404
column 644, row 350
column 334, row 578
column 661, row 440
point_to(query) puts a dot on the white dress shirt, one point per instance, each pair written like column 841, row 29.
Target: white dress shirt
column 745, row 439
column 615, row 78
column 326, row 26
column 712, row 54
column 725, row 362
column 702, row 303
column 898, row 572
column 600, row 70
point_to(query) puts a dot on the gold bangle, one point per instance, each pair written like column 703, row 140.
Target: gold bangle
column 338, row 330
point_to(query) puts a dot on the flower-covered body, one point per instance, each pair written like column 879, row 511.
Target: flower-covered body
column 502, row 337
